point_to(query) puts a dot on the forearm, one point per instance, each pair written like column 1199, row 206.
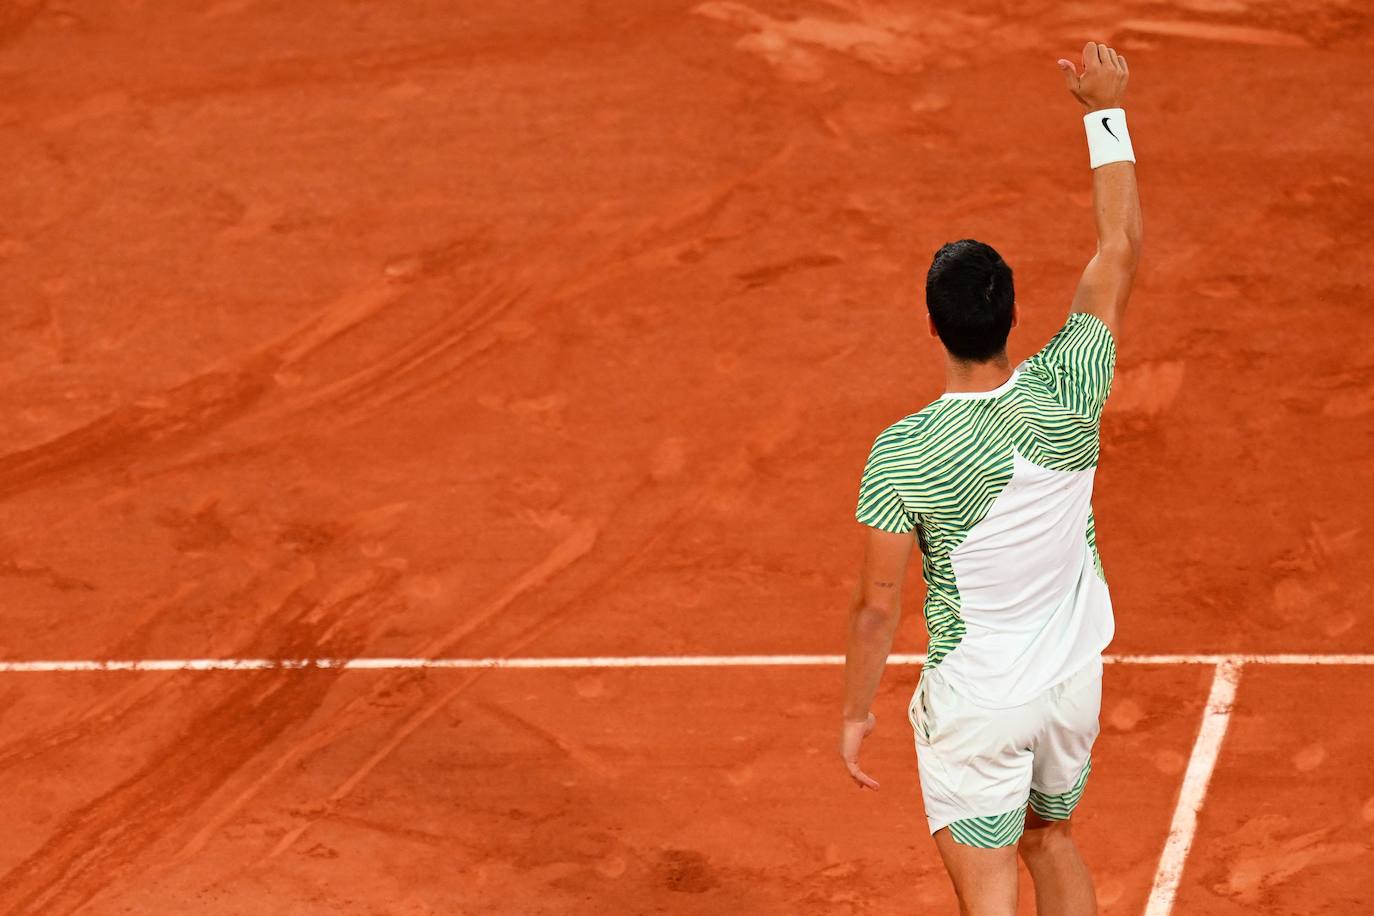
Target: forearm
column 871, row 631
column 1116, row 207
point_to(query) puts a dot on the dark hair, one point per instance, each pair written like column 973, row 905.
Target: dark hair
column 969, row 294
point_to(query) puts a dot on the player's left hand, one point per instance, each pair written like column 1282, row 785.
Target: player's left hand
column 853, row 735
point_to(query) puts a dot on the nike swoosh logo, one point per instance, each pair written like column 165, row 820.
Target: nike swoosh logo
column 1109, row 130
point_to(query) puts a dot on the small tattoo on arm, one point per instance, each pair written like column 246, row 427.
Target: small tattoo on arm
column 884, row 584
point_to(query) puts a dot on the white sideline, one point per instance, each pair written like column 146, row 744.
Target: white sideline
column 610, row 661
column 1215, row 717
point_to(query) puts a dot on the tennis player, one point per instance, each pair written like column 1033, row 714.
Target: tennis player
column 994, row 482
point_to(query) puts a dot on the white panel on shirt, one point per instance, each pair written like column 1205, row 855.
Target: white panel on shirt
column 1034, row 608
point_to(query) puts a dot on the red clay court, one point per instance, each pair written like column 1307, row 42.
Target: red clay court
column 343, row 338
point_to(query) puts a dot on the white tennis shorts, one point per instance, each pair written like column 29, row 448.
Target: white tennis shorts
column 980, row 767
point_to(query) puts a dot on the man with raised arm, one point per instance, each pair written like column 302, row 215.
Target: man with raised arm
column 994, row 482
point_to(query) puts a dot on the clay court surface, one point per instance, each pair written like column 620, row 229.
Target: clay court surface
column 550, row 330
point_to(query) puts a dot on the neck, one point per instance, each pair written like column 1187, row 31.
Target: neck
column 962, row 375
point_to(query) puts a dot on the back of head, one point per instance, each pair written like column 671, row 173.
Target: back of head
column 969, row 294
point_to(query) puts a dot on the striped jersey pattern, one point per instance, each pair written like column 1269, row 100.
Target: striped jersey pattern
column 939, row 470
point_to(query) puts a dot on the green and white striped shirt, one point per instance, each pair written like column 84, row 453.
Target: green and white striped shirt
column 998, row 485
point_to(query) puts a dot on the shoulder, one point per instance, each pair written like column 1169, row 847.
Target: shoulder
column 905, row 438
column 1076, row 367
column 1083, row 338
column 1088, row 329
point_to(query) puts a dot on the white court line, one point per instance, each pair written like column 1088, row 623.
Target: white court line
column 1215, row 717
column 1196, row 779
column 611, row 661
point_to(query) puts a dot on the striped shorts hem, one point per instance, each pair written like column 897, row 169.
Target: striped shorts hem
column 997, row 830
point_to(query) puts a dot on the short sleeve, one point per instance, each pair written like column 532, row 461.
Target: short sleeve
column 880, row 505
column 1078, row 363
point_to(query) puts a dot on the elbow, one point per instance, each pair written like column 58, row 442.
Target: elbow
column 1122, row 250
column 874, row 620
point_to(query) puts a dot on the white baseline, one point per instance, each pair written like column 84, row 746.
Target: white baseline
column 594, row 661
column 1196, row 779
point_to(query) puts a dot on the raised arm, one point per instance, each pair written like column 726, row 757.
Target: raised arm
column 1106, row 282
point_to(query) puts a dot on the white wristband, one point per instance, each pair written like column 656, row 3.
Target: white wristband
column 1108, row 139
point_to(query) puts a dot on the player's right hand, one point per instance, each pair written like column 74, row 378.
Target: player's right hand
column 1103, row 80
